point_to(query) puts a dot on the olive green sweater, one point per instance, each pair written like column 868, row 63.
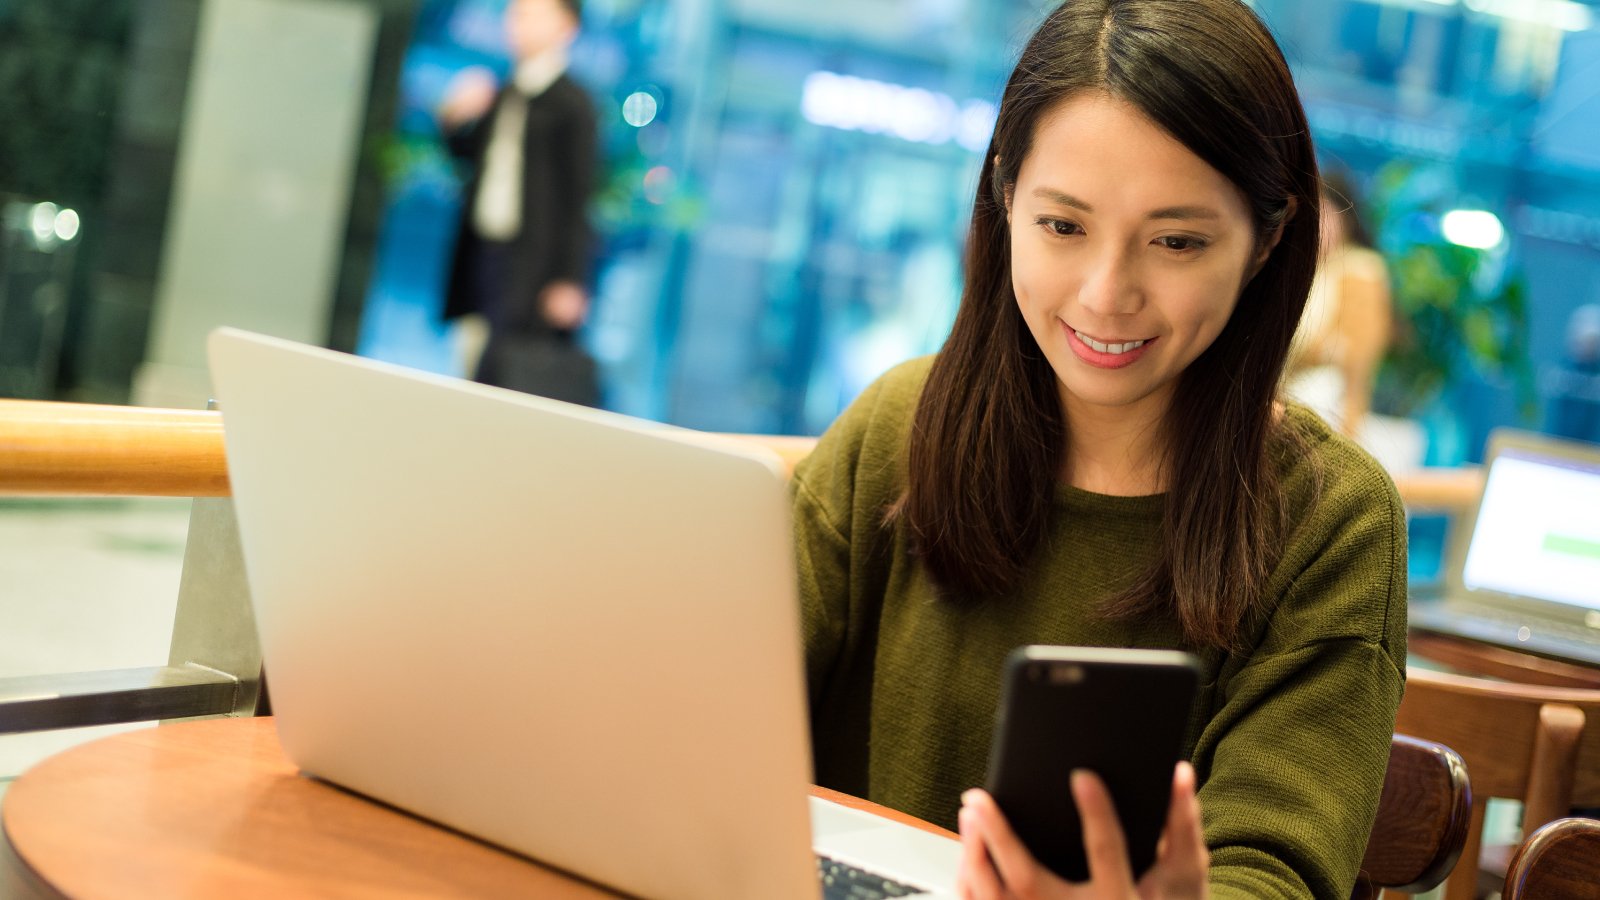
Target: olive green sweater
column 1289, row 740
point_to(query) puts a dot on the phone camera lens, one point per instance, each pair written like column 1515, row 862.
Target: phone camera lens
column 1066, row 674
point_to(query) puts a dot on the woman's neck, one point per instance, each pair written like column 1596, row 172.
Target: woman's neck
column 1115, row 450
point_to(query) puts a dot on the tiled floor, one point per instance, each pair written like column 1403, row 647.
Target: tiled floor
column 84, row 585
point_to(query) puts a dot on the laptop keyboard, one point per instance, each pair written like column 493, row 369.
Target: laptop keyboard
column 1575, row 642
column 842, row 881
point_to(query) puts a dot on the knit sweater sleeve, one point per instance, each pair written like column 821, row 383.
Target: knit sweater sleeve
column 839, row 493
column 1292, row 759
column 822, row 561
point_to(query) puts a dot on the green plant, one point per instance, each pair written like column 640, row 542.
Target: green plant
column 638, row 195
column 1457, row 309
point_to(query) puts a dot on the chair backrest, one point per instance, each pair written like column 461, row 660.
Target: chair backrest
column 1559, row 861
column 1422, row 819
column 1535, row 744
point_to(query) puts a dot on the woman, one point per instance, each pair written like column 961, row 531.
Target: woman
column 1345, row 328
column 1095, row 457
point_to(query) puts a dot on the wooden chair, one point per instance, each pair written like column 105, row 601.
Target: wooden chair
column 1536, row 744
column 1422, row 820
column 1560, row 861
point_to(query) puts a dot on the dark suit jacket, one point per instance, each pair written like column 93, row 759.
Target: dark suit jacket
column 555, row 241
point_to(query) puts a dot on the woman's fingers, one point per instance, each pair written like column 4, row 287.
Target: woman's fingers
column 976, row 878
column 995, row 864
column 1018, row 870
column 1103, row 842
column 1186, row 858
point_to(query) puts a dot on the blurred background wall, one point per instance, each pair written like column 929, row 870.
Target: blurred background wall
column 786, row 186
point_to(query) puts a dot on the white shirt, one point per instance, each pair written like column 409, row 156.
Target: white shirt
column 497, row 208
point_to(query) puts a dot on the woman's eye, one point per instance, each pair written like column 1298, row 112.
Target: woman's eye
column 1059, row 227
column 1181, row 243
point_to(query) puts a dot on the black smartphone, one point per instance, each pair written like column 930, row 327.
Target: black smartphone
column 1118, row 713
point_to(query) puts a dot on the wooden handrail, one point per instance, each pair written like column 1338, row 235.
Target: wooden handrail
column 83, row 449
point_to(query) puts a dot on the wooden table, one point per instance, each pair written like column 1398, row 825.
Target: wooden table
column 1471, row 657
column 214, row 809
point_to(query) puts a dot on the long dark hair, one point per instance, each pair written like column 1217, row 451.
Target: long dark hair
column 989, row 436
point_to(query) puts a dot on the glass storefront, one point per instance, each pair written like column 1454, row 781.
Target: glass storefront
column 784, row 197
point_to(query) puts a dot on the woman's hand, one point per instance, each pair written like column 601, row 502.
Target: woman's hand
column 996, row 865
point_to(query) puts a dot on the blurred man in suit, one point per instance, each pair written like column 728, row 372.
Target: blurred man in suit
column 522, row 254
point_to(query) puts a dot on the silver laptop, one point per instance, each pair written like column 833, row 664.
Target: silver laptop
column 1524, row 571
column 567, row 632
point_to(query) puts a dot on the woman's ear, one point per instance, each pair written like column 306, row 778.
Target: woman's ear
column 1271, row 243
column 1002, row 190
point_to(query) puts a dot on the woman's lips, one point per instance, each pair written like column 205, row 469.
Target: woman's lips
column 1106, row 358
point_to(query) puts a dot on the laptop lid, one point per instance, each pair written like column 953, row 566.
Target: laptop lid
column 1533, row 543
column 565, row 631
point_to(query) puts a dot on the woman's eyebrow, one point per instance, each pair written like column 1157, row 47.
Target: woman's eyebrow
column 1184, row 212
column 1166, row 212
column 1061, row 197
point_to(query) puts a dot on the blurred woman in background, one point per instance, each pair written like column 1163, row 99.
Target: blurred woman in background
column 1346, row 328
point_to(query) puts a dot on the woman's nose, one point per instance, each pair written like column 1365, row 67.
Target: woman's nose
column 1111, row 285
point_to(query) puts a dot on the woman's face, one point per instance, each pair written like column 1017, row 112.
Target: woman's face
column 1128, row 254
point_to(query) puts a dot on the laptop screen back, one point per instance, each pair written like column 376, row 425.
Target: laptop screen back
column 560, row 630
column 1537, row 532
